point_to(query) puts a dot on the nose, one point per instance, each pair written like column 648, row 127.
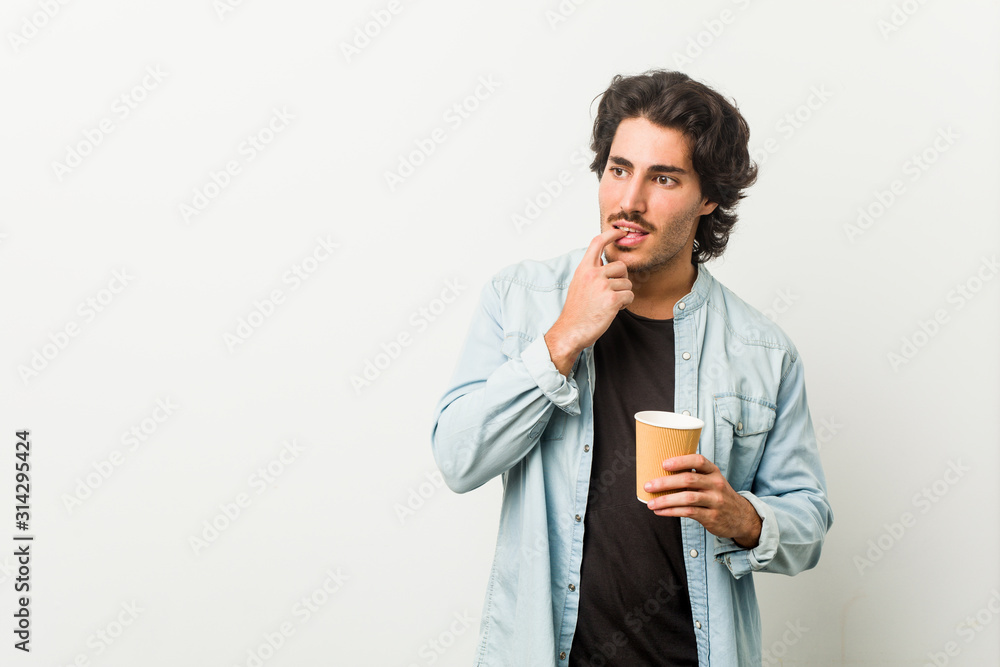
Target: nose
column 633, row 196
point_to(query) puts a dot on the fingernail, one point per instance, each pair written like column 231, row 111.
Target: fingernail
column 648, row 486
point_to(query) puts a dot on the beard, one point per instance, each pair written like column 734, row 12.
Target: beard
column 662, row 249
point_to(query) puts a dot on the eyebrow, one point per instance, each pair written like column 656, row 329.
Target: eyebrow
column 657, row 168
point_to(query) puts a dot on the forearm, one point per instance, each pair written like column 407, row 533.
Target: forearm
column 482, row 433
column 502, row 395
column 503, row 392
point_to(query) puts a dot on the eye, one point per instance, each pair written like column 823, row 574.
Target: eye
column 664, row 180
column 616, row 170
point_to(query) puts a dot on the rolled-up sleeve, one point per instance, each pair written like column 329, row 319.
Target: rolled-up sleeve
column 496, row 405
column 559, row 389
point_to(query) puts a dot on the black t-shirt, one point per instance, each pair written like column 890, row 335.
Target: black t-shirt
column 634, row 605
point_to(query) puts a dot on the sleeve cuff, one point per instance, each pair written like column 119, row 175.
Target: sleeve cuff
column 741, row 561
column 562, row 391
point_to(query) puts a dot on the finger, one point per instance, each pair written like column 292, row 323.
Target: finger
column 688, row 499
column 620, row 284
column 625, row 297
column 696, row 513
column 695, row 462
column 682, row 481
column 593, row 254
column 616, row 269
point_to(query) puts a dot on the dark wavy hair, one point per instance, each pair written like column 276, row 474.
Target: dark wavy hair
column 717, row 131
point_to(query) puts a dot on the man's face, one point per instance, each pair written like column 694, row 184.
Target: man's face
column 650, row 184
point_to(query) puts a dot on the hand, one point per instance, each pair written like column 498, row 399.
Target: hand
column 703, row 494
column 596, row 293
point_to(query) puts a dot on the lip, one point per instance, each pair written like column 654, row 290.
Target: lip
column 634, row 237
column 631, row 240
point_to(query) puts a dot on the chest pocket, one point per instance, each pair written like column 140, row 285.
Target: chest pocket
column 513, row 343
column 741, row 426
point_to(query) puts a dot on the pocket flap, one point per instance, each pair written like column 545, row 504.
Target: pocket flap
column 746, row 415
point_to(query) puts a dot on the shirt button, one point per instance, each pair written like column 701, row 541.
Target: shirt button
column 739, row 426
column 562, row 655
column 572, row 587
column 680, row 305
column 586, row 448
column 686, row 356
column 694, row 553
column 578, row 518
column 697, row 624
column 686, row 413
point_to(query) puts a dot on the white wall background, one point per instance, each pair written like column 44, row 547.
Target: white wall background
column 903, row 580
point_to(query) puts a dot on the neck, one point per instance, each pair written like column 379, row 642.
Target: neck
column 657, row 293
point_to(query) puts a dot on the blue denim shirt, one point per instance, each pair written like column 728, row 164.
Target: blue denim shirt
column 508, row 411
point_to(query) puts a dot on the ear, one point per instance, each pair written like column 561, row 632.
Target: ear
column 707, row 207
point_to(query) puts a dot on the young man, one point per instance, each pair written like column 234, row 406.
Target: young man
column 560, row 356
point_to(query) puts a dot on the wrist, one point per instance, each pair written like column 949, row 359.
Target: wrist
column 563, row 350
column 749, row 537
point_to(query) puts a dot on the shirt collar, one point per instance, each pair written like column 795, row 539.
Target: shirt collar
column 698, row 295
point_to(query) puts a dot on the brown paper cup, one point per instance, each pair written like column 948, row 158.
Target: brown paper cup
column 660, row 436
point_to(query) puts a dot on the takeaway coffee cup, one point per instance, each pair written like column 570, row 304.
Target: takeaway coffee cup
column 660, row 436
